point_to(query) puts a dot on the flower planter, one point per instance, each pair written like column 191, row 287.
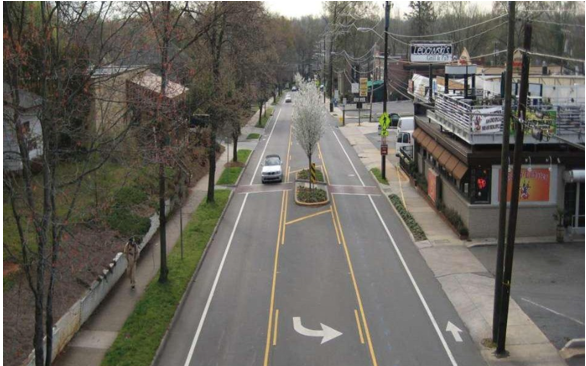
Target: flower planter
column 305, row 184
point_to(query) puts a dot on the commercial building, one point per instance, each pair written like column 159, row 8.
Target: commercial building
column 457, row 154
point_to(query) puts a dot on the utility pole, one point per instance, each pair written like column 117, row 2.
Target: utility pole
column 517, row 160
column 323, row 70
column 387, row 11
column 332, row 70
column 504, row 173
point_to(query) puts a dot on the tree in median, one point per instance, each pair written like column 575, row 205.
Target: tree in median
column 309, row 117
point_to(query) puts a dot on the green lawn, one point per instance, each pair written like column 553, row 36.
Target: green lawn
column 266, row 114
column 139, row 338
column 377, row 173
column 253, row 136
column 230, row 174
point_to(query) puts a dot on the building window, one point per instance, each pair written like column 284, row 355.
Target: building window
column 480, row 185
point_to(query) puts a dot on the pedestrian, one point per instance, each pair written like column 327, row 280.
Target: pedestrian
column 132, row 252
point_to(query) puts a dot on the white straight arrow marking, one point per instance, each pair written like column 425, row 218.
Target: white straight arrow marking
column 455, row 331
column 327, row 333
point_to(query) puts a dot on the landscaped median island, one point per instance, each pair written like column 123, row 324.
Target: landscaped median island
column 307, row 194
column 139, row 338
column 414, row 227
column 233, row 170
column 377, row 173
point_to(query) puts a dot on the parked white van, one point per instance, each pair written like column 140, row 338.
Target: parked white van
column 405, row 124
column 404, row 138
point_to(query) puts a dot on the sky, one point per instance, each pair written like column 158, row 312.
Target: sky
column 299, row 8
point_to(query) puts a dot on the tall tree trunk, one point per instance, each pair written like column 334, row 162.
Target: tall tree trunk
column 309, row 172
column 212, row 161
column 235, row 148
column 260, row 114
column 164, row 271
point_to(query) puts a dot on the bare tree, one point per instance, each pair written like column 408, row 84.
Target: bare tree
column 46, row 54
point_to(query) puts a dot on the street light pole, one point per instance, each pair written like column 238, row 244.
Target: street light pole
column 323, row 70
column 387, row 10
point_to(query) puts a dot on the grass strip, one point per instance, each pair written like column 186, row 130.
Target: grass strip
column 139, row 338
column 377, row 173
column 414, row 227
column 231, row 173
column 267, row 113
column 253, row 136
column 243, row 155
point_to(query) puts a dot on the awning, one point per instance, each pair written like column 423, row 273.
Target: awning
column 432, row 145
column 416, row 134
column 443, row 159
column 437, row 152
column 575, row 175
column 426, row 140
column 460, row 170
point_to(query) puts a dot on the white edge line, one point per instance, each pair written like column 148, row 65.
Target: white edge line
column 211, row 296
column 421, row 298
column 553, row 311
column 423, row 302
column 344, row 150
column 273, row 191
column 355, row 194
column 265, row 149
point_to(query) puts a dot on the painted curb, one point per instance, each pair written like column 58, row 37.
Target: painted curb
column 193, row 277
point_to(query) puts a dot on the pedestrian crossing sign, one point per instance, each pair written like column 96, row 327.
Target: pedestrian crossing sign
column 384, row 121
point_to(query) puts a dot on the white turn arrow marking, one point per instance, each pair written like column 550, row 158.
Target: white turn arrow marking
column 327, row 333
column 455, row 331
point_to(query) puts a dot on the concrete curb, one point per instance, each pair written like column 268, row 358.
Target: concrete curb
column 573, row 349
column 312, row 204
column 380, row 186
column 193, row 277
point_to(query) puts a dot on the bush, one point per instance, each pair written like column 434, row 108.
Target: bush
column 129, row 196
column 421, row 181
column 124, row 221
column 304, row 175
column 414, row 227
column 311, row 195
column 454, row 218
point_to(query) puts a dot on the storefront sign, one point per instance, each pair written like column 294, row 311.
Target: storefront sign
column 432, row 184
column 534, row 185
column 431, row 52
column 484, row 121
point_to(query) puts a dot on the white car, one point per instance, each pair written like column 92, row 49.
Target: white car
column 271, row 169
column 288, row 98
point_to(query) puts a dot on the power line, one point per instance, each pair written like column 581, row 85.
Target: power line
column 555, row 23
column 481, row 33
column 448, row 32
column 552, row 56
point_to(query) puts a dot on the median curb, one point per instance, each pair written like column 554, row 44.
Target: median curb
column 312, row 204
column 193, row 277
column 573, row 349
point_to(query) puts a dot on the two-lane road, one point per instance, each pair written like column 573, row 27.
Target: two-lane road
column 340, row 284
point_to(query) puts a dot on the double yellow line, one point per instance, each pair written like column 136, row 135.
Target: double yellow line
column 272, row 330
column 340, row 235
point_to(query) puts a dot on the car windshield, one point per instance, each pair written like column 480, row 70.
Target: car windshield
column 273, row 160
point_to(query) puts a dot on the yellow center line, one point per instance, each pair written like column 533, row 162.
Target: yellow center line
column 266, row 360
column 308, row 216
column 358, row 325
column 323, row 162
column 358, row 297
column 285, row 216
column 277, row 327
column 335, row 226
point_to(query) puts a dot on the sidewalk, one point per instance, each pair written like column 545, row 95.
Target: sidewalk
column 90, row 345
column 468, row 285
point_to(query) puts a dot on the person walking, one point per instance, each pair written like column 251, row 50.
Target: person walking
column 132, row 252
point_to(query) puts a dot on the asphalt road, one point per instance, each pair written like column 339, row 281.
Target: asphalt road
column 340, row 284
column 548, row 284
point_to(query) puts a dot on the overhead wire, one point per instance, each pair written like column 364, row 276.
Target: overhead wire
column 555, row 23
column 447, row 32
